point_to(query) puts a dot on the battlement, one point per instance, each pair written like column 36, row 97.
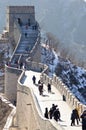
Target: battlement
column 20, row 9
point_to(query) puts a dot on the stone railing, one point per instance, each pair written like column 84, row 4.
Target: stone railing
column 38, row 67
column 63, row 89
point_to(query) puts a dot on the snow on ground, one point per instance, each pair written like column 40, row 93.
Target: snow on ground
column 74, row 77
column 48, row 99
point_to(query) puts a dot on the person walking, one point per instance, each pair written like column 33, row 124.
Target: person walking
column 21, row 64
column 76, row 116
column 49, row 88
column 34, row 79
column 72, row 118
column 83, row 116
column 56, row 114
column 50, row 113
column 59, row 115
column 25, row 35
column 40, row 87
column 46, row 113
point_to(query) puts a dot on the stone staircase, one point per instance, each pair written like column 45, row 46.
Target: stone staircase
column 27, row 41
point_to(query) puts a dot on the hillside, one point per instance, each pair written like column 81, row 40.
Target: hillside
column 74, row 77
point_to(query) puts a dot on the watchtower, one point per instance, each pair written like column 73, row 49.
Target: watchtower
column 21, row 15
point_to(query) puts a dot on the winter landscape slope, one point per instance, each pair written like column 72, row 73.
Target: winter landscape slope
column 74, row 77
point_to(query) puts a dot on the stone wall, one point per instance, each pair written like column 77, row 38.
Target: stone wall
column 63, row 89
column 29, row 115
column 17, row 32
column 22, row 12
column 72, row 101
column 11, row 77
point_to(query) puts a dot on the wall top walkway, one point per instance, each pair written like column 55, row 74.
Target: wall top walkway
column 49, row 98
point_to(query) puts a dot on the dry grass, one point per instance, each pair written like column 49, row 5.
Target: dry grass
column 5, row 110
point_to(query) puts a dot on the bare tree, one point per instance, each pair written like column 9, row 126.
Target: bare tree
column 52, row 40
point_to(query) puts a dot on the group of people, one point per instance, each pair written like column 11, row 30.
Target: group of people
column 40, row 86
column 53, row 113
column 76, row 117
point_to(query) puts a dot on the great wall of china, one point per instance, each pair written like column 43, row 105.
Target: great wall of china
column 14, row 90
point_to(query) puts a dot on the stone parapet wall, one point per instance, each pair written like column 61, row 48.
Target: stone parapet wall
column 22, row 12
column 38, row 67
column 13, row 14
column 17, row 32
column 11, row 77
column 20, row 9
column 63, row 89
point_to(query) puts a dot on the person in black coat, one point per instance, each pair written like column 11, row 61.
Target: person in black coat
column 46, row 113
column 40, row 88
column 49, row 87
column 76, row 115
column 34, row 79
column 83, row 116
column 56, row 114
column 72, row 118
column 51, row 113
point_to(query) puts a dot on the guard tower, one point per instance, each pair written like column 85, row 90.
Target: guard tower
column 21, row 15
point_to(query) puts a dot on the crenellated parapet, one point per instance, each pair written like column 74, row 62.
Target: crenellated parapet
column 71, row 100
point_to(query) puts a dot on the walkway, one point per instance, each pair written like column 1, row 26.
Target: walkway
column 27, row 42
column 49, row 98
